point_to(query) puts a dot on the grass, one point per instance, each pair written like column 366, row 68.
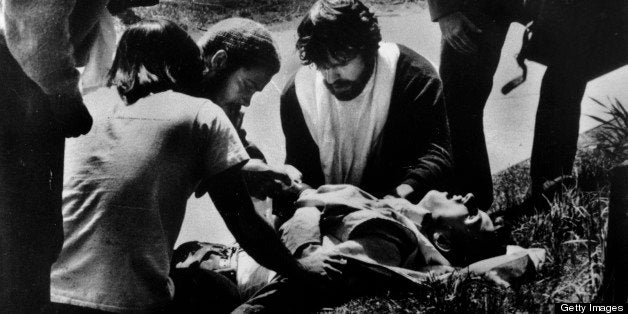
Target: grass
column 573, row 233
column 199, row 14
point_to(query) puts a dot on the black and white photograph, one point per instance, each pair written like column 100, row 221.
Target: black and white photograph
column 313, row 156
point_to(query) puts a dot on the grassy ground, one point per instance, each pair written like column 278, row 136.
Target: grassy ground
column 573, row 233
column 201, row 13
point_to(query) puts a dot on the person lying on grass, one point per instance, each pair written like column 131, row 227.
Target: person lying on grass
column 387, row 243
column 127, row 182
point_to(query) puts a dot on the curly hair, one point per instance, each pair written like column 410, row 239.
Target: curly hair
column 246, row 42
column 340, row 29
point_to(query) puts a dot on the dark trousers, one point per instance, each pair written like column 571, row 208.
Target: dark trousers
column 202, row 291
column 467, row 83
column 31, row 169
column 196, row 291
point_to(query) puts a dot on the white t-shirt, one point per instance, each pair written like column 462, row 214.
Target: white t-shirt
column 126, row 184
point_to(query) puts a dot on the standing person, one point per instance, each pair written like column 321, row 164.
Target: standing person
column 473, row 35
column 368, row 113
column 242, row 58
column 127, row 183
column 43, row 41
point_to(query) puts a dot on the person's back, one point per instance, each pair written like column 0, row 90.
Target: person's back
column 125, row 191
column 128, row 180
column 126, row 183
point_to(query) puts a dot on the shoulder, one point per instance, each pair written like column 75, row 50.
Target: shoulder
column 290, row 83
column 186, row 107
column 101, row 95
column 289, row 97
column 209, row 113
column 411, row 64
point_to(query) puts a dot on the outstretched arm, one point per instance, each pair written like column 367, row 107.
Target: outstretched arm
column 431, row 165
column 229, row 194
column 301, row 150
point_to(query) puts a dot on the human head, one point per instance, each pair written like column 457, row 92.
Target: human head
column 341, row 38
column 154, row 56
column 242, row 58
column 461, row 232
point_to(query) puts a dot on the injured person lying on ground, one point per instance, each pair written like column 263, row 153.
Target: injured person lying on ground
column 388, row 244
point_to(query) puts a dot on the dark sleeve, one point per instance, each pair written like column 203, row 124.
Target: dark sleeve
column 422, row 89
column 251, row 149
column 440, row 8
column 38, row 36
column 301, row 150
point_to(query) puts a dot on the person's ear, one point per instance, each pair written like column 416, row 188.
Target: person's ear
column 219, row 60
column 442, row 242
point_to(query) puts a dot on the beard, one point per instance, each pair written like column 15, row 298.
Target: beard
column 345, row 90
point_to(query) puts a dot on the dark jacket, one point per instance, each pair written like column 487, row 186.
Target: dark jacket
column 440, row 8
column 415, row 143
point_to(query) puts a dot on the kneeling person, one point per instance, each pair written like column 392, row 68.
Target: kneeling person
column 369, row 113
column 241, row 57
column 127, row 181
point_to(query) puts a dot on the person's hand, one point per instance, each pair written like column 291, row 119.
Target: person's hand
column 71, row 117
column 264, row 180
column 456, row 28
column 295, row 175
column 322, row 267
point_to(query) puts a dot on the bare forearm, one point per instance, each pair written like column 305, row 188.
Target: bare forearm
column 252, row 232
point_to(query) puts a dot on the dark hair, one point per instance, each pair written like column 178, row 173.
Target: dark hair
column 154, row 56
column 246, row 42
column 341, row 29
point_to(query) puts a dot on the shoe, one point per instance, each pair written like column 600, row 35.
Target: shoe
column 539, row 199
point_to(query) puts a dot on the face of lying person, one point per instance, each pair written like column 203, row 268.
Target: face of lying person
column 455, row 224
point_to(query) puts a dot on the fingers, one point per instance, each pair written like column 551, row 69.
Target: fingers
column 337, row 261
column 456, row 33
column 333, row 273
column 282, row 177
column 467, row 44
column 471, row 26
column 462, row 43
